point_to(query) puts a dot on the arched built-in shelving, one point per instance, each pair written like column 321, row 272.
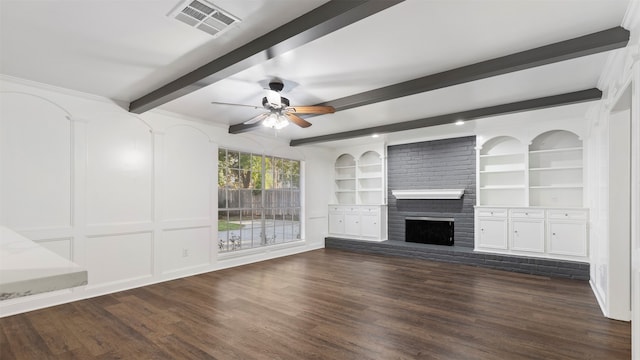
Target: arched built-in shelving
column 345, row 179
column 556, row 170
column 502, row 171
column 370, row 176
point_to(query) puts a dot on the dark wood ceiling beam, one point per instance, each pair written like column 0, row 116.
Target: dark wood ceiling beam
column 601, row 41
column 594, row 43
column 319, row 22
column 468, row 115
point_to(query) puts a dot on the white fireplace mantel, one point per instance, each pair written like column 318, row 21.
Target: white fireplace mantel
column 428, row 194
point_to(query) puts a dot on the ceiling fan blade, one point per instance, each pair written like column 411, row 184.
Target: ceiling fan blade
column 298, row 120
column 312, row 109
column 256, row 119
column 230, row 104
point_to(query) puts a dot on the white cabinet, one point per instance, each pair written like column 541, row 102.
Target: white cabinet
column 358, row 221
column 540, row 232
column 352, row 221
column 527, row 230
column 566, row 231
column 370, row 222
column 336, row 220
column 491, row 229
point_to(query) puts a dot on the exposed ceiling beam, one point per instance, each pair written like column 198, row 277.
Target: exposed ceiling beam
column 594, row 43
column 526, row 105
column 319, row 22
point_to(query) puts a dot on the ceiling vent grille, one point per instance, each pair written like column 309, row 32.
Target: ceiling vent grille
column 203, row 15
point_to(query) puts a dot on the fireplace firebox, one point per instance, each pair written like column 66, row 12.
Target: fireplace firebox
column 429, row 230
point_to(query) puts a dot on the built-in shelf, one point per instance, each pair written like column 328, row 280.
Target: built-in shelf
column 502, row 170
column 558, row 150
column 499, row 187
column 361, row 180
column 500, row 155
column 547, row 173
column 556, row 169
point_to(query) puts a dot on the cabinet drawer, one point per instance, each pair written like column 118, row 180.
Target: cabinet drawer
column 492, row 213
column 369, row 210
column 526, row 213
column 567, row 214
column 336, row 209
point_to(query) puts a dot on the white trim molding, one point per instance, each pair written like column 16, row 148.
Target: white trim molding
column 428, row 194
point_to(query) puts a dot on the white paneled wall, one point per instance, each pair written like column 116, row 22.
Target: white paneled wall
column 133, row 198
column 118, row 258
column 119, row 158
column 37, row 176
column 188, row 155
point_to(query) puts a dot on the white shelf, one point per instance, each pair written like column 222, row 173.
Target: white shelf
column 345, row 179
column 568, row 186
column 500, row 155
column 369, row 165
column 346, row 167
column 502, row 187
column 501, row 171
column 546, row 151
column 556, row 168
column 428, row 194
column 371, row 190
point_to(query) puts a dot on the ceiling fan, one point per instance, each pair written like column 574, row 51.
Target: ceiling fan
column 279, row 111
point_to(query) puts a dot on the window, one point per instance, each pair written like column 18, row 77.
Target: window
column 258, row 200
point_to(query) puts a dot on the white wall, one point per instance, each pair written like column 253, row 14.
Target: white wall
column 614, row 182
column 132, row 198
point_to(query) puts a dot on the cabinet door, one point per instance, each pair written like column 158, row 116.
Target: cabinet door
column 352, row 222
column 336, row 223
column 492, row 233
column 568, row 238
column 527, row 235
column 370, row 225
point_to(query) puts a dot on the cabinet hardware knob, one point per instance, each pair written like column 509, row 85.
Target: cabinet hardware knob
column 554, row 234
column 492, row 213
column 526, row 213
column 566, row 214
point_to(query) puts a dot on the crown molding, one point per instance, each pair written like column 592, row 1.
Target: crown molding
column 631, row 19
column 60, row 90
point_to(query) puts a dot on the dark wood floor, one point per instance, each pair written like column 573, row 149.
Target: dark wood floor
column 329, row 304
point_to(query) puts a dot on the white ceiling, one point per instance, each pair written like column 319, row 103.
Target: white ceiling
column 125, row 49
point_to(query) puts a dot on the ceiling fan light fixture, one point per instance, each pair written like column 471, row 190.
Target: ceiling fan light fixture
column 273, row 98
column 275, row 121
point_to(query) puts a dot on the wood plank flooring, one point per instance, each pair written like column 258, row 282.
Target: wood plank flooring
column 329, row 304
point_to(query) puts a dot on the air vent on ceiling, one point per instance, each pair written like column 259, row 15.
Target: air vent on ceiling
column 203, row 15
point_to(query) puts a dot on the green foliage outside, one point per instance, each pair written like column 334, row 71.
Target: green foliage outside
column 238, row 170
column 224, row 225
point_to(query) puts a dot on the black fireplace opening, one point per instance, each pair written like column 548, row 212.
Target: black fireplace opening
column 429, row 230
